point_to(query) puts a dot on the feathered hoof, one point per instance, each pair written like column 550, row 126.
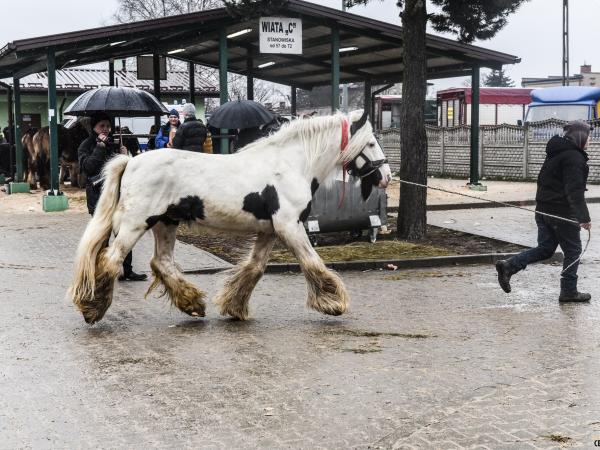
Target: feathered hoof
column 194, row 309
column 329, row 308
column 94, row 309
column 189, row 300
column 229, row 307
column 91, row 316
column 326, row 293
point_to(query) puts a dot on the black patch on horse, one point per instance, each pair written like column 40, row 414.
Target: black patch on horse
column 188, row 209
column 314, row 185
column 367, row 183
column 262, row 205
column 304, row 214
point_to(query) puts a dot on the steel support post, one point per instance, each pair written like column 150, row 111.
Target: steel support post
column 293, row 101
column 367, row 103
column 335, row 69
column 156, row 76
column 474, row 160
column 192, row 82
column 111, row 72
column 17, row 129
column 54, row 200
column 17, row 185
column 223, row 82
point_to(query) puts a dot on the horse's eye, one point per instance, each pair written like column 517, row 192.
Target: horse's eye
column 371, row 144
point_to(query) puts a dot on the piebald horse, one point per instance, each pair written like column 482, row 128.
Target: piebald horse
column 269, row 194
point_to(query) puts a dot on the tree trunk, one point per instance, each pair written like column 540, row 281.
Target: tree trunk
column 412, row 213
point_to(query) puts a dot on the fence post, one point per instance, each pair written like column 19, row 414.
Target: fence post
column 442, row 151
column 480, row 150
column 525, row 151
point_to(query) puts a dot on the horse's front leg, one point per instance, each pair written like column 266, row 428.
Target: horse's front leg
column 233, row 297
column 183, row 294
column 326, row 291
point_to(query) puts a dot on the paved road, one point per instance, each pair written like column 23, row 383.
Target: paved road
column 424, row 359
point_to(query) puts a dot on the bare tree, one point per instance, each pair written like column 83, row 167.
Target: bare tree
column 134, row 10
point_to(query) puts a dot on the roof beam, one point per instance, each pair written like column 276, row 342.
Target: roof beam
column 257, row 75
column 302, row 59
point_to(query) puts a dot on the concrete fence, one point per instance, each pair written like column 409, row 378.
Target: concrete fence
column 505, row 151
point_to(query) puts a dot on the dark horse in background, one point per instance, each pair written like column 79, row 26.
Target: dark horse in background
column 36, row 146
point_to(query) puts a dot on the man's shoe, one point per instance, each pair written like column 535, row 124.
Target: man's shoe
column 132, row 276
column 577, row 297
column 504, row 273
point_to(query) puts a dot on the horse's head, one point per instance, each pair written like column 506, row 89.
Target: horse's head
column 370, row 163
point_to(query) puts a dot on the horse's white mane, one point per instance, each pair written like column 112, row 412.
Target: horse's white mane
column 318, row 135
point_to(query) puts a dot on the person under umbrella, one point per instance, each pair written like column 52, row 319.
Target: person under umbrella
column 93, row 153
column 191, row 135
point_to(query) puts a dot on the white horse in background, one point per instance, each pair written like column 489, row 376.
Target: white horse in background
column 265, row 189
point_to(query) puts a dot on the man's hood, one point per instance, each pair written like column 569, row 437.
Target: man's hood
column 558, row 144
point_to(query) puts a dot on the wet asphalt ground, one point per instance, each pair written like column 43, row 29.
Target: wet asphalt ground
column 432, row 358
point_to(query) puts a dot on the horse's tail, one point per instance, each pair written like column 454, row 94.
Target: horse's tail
column 97, row 233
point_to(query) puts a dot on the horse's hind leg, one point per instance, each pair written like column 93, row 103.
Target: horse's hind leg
column 183, row 294
column 108, row 267
column 326, row 291
column 234, row 295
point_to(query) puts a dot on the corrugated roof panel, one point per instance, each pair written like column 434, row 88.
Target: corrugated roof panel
column 81, row 79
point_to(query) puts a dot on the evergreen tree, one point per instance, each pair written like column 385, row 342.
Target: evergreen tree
column 497, row 78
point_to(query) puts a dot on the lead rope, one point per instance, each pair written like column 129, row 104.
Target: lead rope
column 564, row 219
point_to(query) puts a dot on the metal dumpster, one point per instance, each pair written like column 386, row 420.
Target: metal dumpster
column 354, row 214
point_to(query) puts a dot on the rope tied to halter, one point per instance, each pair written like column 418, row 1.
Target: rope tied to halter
column 564, row 219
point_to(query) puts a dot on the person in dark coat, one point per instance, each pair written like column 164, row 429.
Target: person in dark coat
column 216, row 142
column 152, row 140
column 131, row 143
column 192, row 133
column 93, row 153
column 246, row 136
column 162, row 138
column 561, row 190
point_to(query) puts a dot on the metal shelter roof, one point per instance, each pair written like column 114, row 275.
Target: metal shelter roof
column 82, row 79
column 378, row 57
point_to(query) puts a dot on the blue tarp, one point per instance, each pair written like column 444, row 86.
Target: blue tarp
column 581, row 95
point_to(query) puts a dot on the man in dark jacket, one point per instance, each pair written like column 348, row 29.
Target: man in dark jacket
column 93, row 153
column 560, row 192
column 164, row 132
column 192, row 133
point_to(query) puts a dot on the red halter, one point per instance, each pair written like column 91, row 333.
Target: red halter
column 345, row 134
column 344, row 144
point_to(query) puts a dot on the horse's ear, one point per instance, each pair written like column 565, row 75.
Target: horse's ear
column 358, row 125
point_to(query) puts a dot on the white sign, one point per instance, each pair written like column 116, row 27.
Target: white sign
column 375, row 221
column 280, row 35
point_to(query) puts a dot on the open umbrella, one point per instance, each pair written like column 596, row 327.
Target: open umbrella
column 118, row 102
column 240, row 114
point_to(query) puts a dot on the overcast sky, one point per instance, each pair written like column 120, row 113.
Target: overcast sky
column 533, row 33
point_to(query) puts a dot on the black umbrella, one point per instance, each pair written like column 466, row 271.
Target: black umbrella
column 240, row 114
column 118, row 102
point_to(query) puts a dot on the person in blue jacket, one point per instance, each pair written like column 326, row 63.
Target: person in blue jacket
column 162, row 138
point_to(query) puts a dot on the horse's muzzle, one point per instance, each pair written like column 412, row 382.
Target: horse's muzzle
column 385, row 180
